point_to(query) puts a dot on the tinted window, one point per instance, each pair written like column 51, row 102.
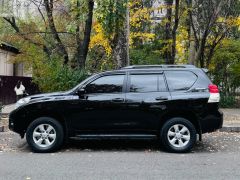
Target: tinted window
column 180, row 80
column 106, row 84
column 146, row 83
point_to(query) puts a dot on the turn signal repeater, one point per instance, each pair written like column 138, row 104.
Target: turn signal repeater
column 214, row 93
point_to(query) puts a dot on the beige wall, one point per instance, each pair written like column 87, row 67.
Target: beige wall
column 6, row 68
column 20, row 70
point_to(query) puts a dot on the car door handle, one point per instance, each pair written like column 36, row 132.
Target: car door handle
column 117, row 100
column 162, row 98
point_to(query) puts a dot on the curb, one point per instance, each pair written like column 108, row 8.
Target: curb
column 230, row 129
column 2, row 128
column 4, row 115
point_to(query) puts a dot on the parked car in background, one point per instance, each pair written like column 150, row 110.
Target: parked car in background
column 171, row 103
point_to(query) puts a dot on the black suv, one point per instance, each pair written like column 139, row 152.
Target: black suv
column 171, row 103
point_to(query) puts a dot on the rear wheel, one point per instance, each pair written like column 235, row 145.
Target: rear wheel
column 178, row 135
column 45, row 135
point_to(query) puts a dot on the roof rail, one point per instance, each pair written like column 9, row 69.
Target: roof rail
column 158, row 66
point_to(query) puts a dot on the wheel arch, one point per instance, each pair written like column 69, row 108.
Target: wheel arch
column 182, row 114
column 50, row 114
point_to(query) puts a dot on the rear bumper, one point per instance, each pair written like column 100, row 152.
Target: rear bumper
column 212, row 122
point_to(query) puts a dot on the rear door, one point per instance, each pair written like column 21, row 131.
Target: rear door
column 146, row 98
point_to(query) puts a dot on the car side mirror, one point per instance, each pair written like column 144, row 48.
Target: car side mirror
column 81, row 92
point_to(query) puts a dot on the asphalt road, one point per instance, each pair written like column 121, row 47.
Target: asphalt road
column 216, row 157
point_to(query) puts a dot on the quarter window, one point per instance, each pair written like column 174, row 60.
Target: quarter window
column 106, row 84
column 180, row 80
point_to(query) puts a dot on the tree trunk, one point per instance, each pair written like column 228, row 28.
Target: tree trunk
column 199, row 57
column 120, row 52
column 83, row 45
column 209, row 57
column 83, row 51
column 191, row 43
column 174, row 32
column 127, row 34
column 167, row 52
column 192, row 51
column 121, row 43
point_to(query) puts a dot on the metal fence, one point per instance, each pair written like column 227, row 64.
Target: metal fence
column 7, row 85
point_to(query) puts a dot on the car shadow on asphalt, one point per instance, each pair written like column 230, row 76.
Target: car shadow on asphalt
column 128, row 145
column 119, row 146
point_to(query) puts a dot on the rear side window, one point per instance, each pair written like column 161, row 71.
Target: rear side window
column 147, row 83
column 180, row 80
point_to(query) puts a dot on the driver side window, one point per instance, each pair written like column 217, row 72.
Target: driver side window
column 106, row 84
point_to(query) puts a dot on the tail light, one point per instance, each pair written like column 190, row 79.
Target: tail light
column 213, row 88
column 214, row 94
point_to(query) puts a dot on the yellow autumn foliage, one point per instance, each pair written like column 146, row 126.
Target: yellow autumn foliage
column 99, row 39
column 182, row 39
column 231, row 21
column 139, row 16
column 141, row 35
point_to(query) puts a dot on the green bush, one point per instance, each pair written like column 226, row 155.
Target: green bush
column 228, row 102
column 55, row 77
column 225, row 66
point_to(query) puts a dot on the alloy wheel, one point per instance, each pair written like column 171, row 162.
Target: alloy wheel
column 178, row 135
column 44, row 135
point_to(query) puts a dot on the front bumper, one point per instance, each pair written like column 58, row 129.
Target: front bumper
column 17, row 121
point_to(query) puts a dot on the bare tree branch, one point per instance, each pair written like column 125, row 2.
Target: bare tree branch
column 60, row 47
column 12, row 22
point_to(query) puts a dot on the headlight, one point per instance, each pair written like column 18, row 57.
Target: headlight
column 22, row 101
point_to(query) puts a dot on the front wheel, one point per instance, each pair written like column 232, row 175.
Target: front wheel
column 45, row 135
column 178, row 135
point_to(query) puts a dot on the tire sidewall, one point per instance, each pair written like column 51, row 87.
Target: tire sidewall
column 59, row 134
column 164, row 136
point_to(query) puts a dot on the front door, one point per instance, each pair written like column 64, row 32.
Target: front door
column 101, row 108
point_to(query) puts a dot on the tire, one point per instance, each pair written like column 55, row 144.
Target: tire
column 45, row 135
column 178, row 135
